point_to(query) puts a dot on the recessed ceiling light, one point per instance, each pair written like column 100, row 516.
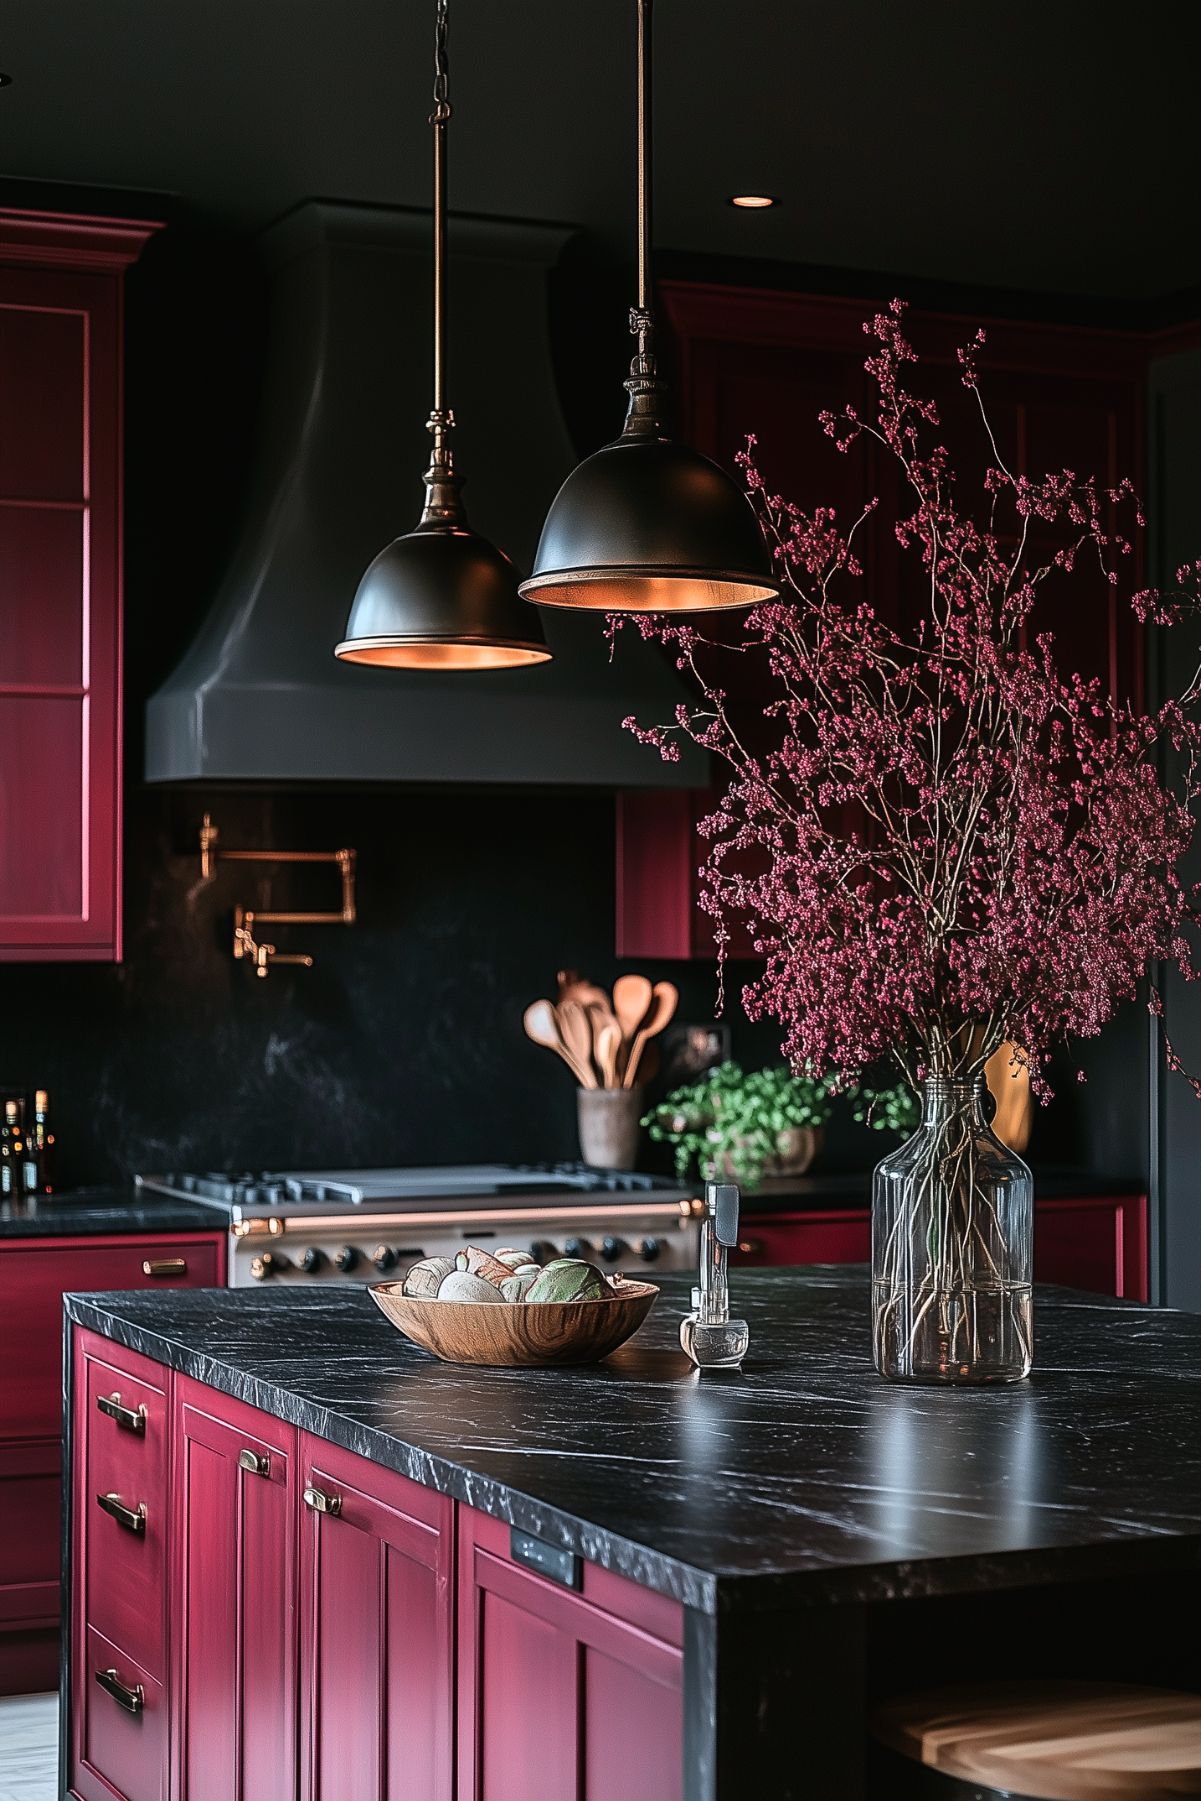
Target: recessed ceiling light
column 753, row 202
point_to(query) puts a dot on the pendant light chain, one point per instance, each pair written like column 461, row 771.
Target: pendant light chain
column 643, row 384
column 441, row 419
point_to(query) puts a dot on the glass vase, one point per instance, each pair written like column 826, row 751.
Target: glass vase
column 952, row 1248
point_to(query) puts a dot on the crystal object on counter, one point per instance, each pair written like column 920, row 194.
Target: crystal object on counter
column 708, row 1335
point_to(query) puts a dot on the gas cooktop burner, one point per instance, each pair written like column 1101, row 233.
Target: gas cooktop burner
column 435, row 1187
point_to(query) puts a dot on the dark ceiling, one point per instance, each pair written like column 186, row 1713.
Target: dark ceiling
column 1040, row 144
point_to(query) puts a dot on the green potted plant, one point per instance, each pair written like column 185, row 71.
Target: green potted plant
column 744, row 1125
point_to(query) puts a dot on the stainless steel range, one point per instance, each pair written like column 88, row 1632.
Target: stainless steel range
column 356, row 1225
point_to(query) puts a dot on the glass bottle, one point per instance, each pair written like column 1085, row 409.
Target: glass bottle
column 952, row 1247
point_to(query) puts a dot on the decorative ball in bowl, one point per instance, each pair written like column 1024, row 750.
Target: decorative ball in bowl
column 492, row 1328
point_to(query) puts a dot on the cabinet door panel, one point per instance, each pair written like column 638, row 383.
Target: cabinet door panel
column 234, row 1594
column 60, row 586
column 117, row 1752
column 603, row 1692
column 377, row 1634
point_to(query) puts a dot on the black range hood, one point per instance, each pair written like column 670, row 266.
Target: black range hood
column 259, row 695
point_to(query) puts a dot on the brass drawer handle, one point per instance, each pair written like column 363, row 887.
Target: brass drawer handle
column 131, row 1699
column 256, row 1464
column 320, row 1502
column 130, row 1419
column 749, row 1246
column 164, row 1266
column 132, row 1518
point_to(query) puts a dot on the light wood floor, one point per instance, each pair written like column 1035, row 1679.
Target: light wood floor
column 28, row 1747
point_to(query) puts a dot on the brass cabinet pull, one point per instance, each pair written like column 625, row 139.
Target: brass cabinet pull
column 164, row 1266
column 130, row 1419
column 132, row 1518
column 256, row 1464
column 320, row 1502
column 749, row 1246
column 131, row 1699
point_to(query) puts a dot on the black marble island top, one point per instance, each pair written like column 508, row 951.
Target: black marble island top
column 803, row 1481
column 93, row 1212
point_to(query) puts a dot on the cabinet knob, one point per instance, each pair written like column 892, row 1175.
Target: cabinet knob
column 320, row 1502
column 131, row 1699
column 130, row 1419
column 254, row 1462
column 167, row 1267
column 132, row 1518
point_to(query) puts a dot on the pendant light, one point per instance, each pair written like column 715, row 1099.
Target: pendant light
column 647, row 525
column 442, row 596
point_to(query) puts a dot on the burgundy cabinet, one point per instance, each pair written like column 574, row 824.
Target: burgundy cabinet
column 377, row 1634
column 60, row 584
column 564, row 1694
column 120, row 1530
column 34, row 1276
column 1098, row 1243
column 764, row 362
column 233, row 1600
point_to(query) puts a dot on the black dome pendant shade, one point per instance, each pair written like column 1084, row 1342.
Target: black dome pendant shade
column 441, row 596
column 647, row 525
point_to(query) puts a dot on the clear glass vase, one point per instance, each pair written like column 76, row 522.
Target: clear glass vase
column 952, row 1248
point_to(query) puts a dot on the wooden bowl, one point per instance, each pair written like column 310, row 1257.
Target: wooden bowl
column 517, row 1332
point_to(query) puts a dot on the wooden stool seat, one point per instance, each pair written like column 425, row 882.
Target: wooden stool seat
column 1054, row 1741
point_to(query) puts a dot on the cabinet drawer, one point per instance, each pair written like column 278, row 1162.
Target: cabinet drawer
column 34, row 1276
column 115, row 1750
column 122, row 1489
column 833, row 1236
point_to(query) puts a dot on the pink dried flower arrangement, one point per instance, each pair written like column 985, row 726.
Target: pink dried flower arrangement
column 1010, row 869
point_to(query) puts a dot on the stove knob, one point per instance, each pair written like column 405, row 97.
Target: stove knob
column 311, row 1260
column 384, row 1257
column 649, row 1249
column 271, row 1263
column 542, row 1250
column 577, row 1247
column 346, row 1258
column 611, row 1249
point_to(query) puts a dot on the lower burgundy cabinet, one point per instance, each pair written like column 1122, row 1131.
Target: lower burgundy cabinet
column 563, row 1695
column 233, row 1600
column 1098, row 1243
column 35, row 1273
column 377, row 1638
column 258, row 1615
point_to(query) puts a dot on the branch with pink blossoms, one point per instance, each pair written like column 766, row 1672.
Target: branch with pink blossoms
column 940, row 842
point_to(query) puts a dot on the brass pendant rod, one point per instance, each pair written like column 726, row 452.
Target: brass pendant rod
column 439, row 119
column 644, row 155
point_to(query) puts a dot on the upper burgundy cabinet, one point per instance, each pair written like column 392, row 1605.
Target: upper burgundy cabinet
column 746, row 360
column 60, row 584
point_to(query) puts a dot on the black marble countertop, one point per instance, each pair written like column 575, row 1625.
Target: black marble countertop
column 86, row 1212
column 803, row 1480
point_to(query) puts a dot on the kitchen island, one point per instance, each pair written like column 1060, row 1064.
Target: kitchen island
column 324, row 1553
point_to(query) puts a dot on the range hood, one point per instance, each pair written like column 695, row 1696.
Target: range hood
column 259, row 695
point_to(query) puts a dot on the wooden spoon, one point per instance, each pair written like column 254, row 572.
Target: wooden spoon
column 608, row 1043
column 542, row 1027
column 573, row 987
column 575, row 1029
column 665, row 1000
column 631, row 1002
